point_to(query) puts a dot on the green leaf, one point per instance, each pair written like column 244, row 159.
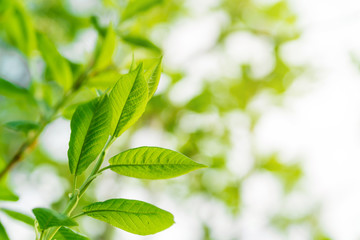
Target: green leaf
column 132, row 65
column 7, row 195
column 152, row 76
column 10, row 90
column 19, row 28
column 103, row 79
column 3, row 234
column 152, row 163
column 90, row 129
column 128, row 99
column 49, row 218
column 140, row 41
column 105, row 53
column 65, row 233
column 131, row 215
column 137, row 6
column 57, row 64
column 22, row 126
column 19, row 216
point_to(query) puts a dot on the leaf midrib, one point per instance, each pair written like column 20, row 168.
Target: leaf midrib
column 127, row 98
column 121, row 211
column 155, row 164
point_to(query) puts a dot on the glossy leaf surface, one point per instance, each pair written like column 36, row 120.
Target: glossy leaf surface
column 128, row 100
column 65, row 233
column 152, row 163
column 131, row 215
column 49, row 218
column 90, row 129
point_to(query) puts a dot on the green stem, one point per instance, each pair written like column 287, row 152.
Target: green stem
column 42, row 235
column 52, row 234
column 74, row 200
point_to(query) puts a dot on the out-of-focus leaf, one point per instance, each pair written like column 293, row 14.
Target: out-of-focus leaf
column 49, row 218
column 22, row 126
column 95, row 22
column 135, row 7
column 19, row 216
column 82, row 96
column 103, row 79
column 65, row 233
column 7, row 195
column 19, row 28
column 90, row 129
column 10, row 90
column 106, row 50
column 5, row 6
column 152, row 163
column 131, row 215
column 140, row 41
column 202, row 102
column 58, row 65
column 3, row 234
column 128, row 99
column 288, row 173
column 152, row 76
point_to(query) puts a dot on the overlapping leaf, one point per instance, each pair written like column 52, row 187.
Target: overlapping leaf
column 131, row 215
column 128, row 100
column 90, row 129
column 65, row 233
column 152, row 76
column 152, row 163
column 49, row 218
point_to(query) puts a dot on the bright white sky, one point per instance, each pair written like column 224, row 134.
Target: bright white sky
column 323, row 125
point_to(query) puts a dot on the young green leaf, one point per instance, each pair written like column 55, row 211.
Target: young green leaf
column 104, row 54
column 65, row 233
column 128, row 99
column 49, row 218
column 139, row 41
column 19, row 216
column 152, row 163
column 22, row 126
column 3, row 234
column 135, row 7
column 7, row 195
column 58, row 65
column 90, row 129
column 152, row 76
column 131, row 215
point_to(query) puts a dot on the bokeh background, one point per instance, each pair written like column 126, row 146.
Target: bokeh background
column 264, row 92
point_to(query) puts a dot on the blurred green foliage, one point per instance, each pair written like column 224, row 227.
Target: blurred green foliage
column 37, row 32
